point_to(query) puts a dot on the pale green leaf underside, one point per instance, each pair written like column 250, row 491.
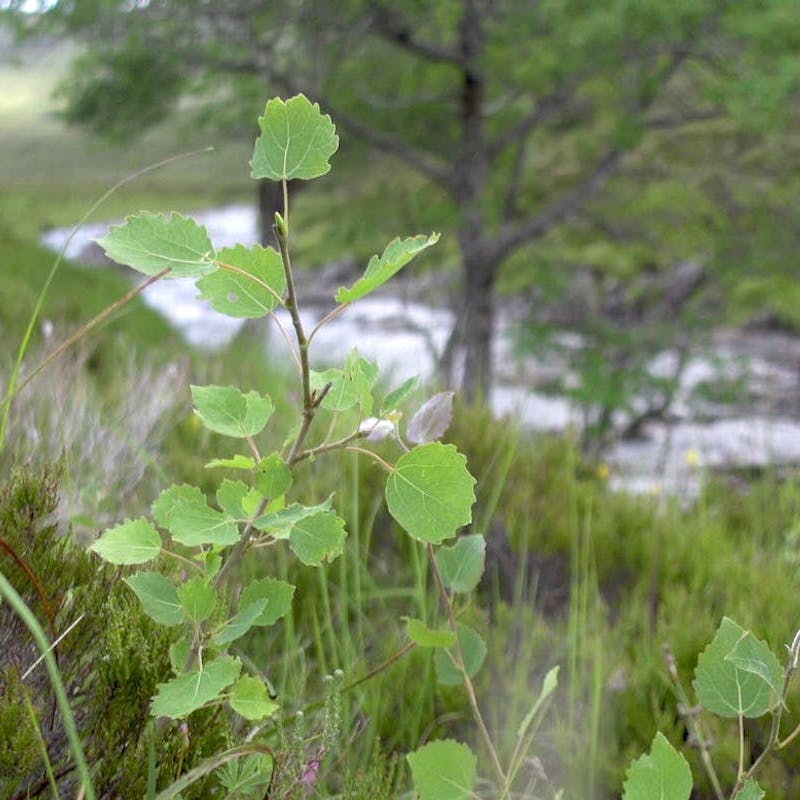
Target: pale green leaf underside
column 131, row 542
column 236, row 462
column 444, row 770
column 430, row 492
column 152, row 242
column 296, row 141
column 423, row 636
column 184, row 512
column 737, row 674
column 318, row 538
column 398, row 395
column 237, row 627
column 751, row 791
column 661, row 774
column 230, row 411
column 249, row 283
column 473, row 648
column 462, row 564
column 198, row 598
column 280, row 523
column 186, row 693
column 158, row 597
column 273, row 478
column 249, row 697
column 278, row 596
column 380, row 269
column 349, row 387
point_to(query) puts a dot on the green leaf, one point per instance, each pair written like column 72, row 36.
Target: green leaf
column 131, row 542
column 278, row 596
column 318, row 538
column 237, row 627
column 444, row 770
column 473, row 649
column 237, row 462
column 238, row 500
column 663, row 774
column 249, row 283
column 381, row 268
column 280, row 523
column 430, row 492
column 179, row 653
column 296, row 141
column 158, row 597
column 273, row 477
column 152, row 242
column 249, row 697
column 462, row 564
column 751, row 790
column 350, row 387
column 186, row 693
column 183, row 511
column 231, row 412
column 230, row 496
column 423, row 636
column 549, row 685
column 738, row 674
column 398, row 395
column 198, row 598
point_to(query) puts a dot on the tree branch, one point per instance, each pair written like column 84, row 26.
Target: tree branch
column 389, row 26
column 564, row 208
column 546, row 107
column 571, row 202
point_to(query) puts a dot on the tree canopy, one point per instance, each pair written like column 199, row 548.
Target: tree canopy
column 612, row 137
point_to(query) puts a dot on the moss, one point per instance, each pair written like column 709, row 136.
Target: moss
column 110, row 662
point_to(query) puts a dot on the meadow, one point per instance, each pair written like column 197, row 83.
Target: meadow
column 577, row 576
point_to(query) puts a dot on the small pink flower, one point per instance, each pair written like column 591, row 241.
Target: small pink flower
column 310, row 775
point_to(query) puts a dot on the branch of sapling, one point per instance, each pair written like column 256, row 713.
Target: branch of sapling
column 773, row 742
column 460, row 665
column 690, row 720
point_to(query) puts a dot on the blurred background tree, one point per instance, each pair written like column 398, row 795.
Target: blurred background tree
column 563, row 137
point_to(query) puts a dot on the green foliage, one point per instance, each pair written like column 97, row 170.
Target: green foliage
column 380, row 269
column 151, row 243
column 443, row 770
column 296, row 141
column 429, row 492
column 663, row 773
column 471, row 648
column 462, row 564
column 738, row 675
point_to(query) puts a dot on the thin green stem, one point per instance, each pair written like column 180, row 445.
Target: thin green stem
column 326, row 319
column 37, row 310
column 325, row 447
column 51, row 778
column 468, row 685
column 27, row 616
column 374, row 456
column 92, row 323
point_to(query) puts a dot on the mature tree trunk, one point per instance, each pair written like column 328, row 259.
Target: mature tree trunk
column 471, row 341
column 475, row 327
